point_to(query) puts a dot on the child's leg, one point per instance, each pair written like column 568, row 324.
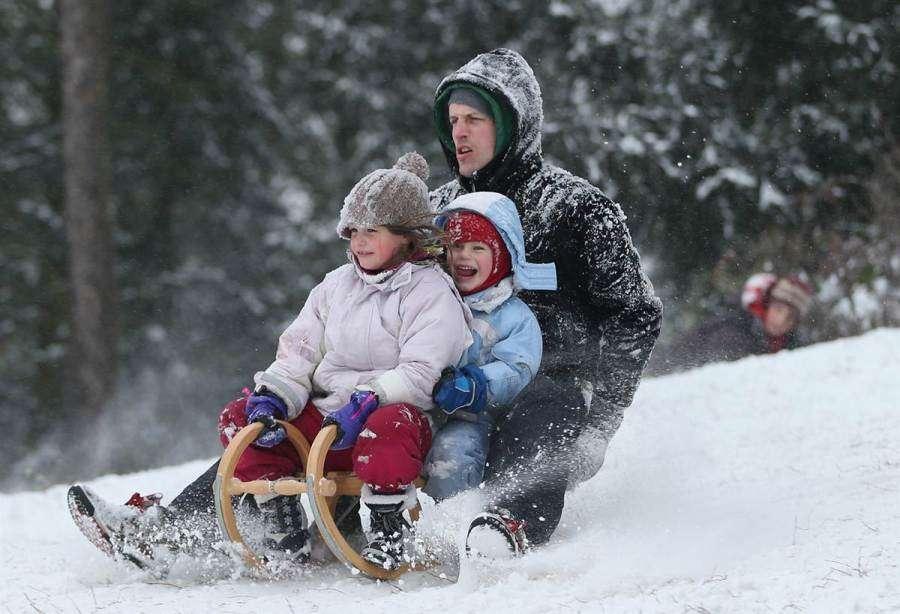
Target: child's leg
column 388, row 457
column 390, row 451
column 456, row 460
column 283, row 516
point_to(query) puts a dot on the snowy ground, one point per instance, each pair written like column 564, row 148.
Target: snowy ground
column 767, row 485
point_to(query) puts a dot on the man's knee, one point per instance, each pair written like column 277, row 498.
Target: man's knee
column 547, row 416
column 552, row 401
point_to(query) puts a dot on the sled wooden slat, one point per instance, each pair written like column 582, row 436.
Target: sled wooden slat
column 332, row 484
column 338, row 483
column 222, row 492
column 287, row 486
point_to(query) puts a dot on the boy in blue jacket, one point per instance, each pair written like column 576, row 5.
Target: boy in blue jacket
column 486, row 258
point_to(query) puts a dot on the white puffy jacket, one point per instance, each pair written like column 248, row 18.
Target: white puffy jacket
column 392, row 334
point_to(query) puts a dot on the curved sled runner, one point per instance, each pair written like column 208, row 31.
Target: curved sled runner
column 321, row 489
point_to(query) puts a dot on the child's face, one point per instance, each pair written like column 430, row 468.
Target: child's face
column 470, row 264
column 376, row 248
column 780, row 319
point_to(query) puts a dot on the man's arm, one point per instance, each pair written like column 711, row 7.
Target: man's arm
column 621, row 302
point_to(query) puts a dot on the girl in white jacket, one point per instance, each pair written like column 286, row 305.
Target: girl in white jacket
column 364, row 353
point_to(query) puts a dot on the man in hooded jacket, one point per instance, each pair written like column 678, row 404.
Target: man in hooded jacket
column 598, row 329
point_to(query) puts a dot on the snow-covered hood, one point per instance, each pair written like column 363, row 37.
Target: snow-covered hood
column 508, row 77
column 502, row 213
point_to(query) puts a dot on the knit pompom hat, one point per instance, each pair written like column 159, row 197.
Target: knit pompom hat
column 394, row 196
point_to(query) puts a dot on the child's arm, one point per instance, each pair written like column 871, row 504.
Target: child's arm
column 517, row 357
column 300, row 350
column 434, row 334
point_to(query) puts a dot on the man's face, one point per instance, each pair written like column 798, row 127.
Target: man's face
column 780, row 319
column 474, row 136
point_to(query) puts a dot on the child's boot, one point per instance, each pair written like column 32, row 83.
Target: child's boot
column 287, row 527
column 389, row 533
column 386, row 543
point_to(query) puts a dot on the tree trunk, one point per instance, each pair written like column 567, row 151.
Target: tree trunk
column 85, row 62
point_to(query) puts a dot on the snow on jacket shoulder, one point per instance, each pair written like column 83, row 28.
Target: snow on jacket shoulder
column 395, row 336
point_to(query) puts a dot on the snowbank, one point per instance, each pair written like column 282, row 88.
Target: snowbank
column 768, row 484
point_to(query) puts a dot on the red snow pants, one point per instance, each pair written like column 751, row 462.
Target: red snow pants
column 387, row 461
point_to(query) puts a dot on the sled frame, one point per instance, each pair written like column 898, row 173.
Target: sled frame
column 321, row 489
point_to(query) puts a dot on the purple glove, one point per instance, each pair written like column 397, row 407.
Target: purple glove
column 267, row 407
column 351, row 418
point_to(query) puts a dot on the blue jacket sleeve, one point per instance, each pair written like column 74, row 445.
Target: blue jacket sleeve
column 517, row 354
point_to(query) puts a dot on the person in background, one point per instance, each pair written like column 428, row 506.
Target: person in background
column 766, row 321
column 599, row 327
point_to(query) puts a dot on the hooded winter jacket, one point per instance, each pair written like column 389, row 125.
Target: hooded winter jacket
column 394, row 334
column 603, row 322
column 507, row 342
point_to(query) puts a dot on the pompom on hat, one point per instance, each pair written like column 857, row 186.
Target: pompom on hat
column 394, row 196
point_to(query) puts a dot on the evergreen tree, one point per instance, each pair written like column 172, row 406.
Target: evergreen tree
column 736, row 135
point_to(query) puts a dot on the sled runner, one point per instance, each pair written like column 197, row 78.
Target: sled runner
column 322, row 491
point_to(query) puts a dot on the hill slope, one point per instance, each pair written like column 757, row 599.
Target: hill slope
column 769, row 484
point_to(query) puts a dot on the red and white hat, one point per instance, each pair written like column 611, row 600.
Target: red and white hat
column 466, row 226
column 793, row 291
column 763, row 288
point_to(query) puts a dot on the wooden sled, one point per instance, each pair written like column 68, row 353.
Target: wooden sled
column 321, row 489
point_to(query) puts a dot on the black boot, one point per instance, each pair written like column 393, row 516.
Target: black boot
column 388, row 526
column 287, row 528
column 346, row 516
